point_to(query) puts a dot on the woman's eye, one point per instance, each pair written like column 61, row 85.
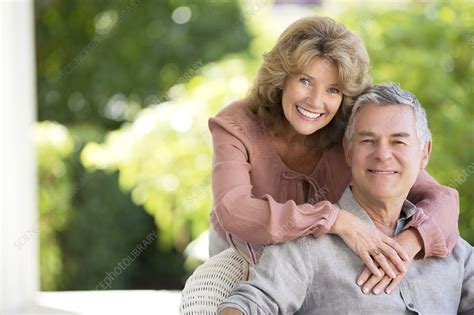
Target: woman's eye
column 334, row 90
column 305, row 81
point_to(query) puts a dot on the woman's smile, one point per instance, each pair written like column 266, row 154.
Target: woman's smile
column 308, row 115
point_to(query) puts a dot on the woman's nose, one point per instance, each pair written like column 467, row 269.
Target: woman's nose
column 316, row 98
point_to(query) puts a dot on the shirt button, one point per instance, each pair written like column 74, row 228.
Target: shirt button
column 411, row 305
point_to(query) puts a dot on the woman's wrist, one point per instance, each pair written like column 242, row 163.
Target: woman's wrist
column 341, row 223
column 411, row 241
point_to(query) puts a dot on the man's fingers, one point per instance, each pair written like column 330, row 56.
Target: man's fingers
column 364, row 276
column 393, row 285
column 380, row 287
column 370, row 284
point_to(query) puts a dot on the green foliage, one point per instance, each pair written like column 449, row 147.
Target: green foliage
column 98, row 65
column 96, row 56
column 88, row 225
column 54, row 146
column 102, row 231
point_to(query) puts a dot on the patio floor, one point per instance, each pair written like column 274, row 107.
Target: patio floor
column 105, row 302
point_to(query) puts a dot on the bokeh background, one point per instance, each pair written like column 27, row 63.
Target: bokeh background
column 125, row 89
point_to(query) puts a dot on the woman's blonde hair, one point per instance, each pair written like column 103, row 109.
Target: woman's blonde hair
column 296, row 47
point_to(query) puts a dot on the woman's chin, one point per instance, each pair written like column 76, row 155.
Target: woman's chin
column 307, row 129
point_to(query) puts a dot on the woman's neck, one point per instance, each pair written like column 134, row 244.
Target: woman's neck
column 293, row 139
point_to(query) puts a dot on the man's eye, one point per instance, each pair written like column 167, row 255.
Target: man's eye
column 399, row 142
column 368, row 141
column 305, row 81
column 334, row 90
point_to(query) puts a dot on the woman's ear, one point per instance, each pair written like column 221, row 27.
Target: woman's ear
column 426, row 153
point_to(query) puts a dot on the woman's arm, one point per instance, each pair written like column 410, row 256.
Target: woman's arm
column 437, row 217
column 262, row 221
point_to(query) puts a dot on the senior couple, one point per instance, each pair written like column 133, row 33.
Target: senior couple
column 283, row 173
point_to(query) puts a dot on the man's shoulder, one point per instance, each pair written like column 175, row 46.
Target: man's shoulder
column 310, row 246
column 298, row 246
column 462, row 252
column 463, row 249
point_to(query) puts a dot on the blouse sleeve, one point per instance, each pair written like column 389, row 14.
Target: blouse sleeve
column 262, row 221
column 437, row 217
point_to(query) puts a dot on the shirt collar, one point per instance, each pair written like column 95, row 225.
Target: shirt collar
column 350, row 204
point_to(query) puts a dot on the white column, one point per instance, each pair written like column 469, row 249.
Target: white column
column 18, row 215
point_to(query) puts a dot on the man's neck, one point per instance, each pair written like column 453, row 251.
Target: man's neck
column 384, row 213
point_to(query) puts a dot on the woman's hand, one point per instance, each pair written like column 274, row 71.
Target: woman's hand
column 411, row 241
column 373, row 247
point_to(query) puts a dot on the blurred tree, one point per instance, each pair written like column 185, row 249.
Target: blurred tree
column 98, row 65
column 101, row 61
column 54, row 147
column 88, row 225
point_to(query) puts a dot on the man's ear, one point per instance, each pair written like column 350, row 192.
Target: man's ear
column 347, row 153
column 426, row 153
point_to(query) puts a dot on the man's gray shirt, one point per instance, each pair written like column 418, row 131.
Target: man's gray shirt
column 318, row 276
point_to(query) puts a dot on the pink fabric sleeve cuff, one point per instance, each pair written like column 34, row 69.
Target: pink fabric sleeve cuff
column 426, row 245
column 434, row 245
column 323, row 229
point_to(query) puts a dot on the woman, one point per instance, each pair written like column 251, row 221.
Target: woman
column 278, row 162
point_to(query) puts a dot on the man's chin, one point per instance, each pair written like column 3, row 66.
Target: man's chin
column 383, row 192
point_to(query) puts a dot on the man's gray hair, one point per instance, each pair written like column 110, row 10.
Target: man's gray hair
column 391, row 94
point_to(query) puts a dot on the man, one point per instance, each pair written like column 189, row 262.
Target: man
column 387, row 143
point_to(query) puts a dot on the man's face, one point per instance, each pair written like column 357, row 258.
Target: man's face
column 385, row 155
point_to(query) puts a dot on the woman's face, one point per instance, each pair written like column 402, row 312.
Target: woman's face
column 311, row 99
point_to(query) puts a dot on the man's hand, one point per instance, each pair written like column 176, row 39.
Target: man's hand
column 411, row 241
column 230, row 311
column 373, row 247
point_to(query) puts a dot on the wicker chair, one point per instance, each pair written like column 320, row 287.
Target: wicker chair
column 212, row 282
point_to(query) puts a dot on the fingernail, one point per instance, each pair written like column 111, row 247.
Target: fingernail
column 359, row 282
column 365, row 290
column 388, row 291
column 376, row 291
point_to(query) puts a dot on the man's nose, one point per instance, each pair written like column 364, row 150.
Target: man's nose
column 382, row 151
